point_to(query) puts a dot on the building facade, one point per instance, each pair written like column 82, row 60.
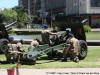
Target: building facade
column 1, row 9
column 30, row 6
column 82, row 7
column 53, row 5
column 20, row 3
column 88, row 8
column 66, row 6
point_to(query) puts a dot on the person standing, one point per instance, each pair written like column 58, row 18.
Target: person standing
column 46, row 35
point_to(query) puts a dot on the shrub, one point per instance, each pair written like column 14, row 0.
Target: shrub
column 87, row 28
column 11, row 32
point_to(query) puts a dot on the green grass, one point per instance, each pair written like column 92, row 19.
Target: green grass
column 91, row 61
column 93, row 36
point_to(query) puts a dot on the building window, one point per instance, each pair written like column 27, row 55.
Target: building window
column 95, row 3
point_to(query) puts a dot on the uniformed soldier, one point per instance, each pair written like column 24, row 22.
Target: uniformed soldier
column 72, row 48
column 34, row 43
column 19, row 46
column 45, row 35
column 9, row 56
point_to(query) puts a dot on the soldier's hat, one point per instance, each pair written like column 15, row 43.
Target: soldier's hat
column 11, row 38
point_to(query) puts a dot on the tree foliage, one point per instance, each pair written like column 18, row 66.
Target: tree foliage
column 15, row 15
column 22, row 17
column 9, row 15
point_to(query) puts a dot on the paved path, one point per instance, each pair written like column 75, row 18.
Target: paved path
column 65, row 71
column 96, row 30
column 94, row 46
column 15, row 29
column 93, row 40
column 29, row 30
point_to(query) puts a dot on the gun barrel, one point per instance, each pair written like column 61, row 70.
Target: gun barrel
column 9, row 26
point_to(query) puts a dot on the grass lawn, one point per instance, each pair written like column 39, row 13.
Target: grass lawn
column 91, row 61
column 93, row 36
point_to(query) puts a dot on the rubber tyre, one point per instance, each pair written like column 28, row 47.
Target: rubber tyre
column 3, row 45
column 83, row 49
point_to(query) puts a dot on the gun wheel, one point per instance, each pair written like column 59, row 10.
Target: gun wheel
column 3, row 45
column 83, row 49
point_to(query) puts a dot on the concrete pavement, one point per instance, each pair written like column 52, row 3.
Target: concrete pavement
column 96, row 30
column 63, row 71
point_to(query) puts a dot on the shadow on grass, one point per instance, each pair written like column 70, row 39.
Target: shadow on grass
column 4, row 62
column 49, row 60
column 45, row 59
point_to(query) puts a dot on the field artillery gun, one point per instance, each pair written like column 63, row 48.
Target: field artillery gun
column 31, row 56
column 4, row 37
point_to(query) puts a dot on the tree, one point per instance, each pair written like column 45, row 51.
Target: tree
column 22, row 17
column 17, row 14
column 9, row 15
